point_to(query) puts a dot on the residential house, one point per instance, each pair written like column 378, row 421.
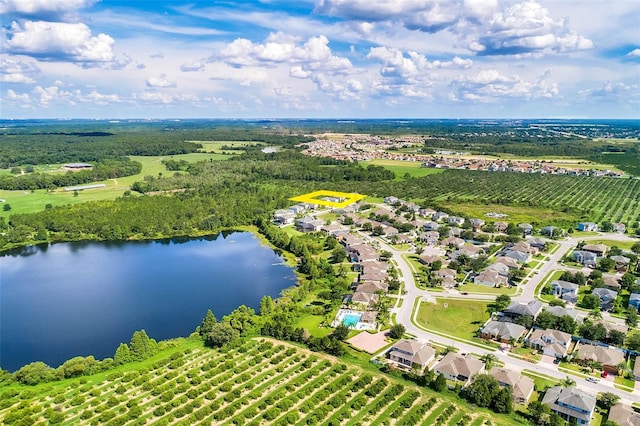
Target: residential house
column 470, row 251
column 426, row 212
column 476, row 224
column 431, row 226
column 518, row 256
column 491, row 278
column 611, row 282
column 501, row 226
column 284, row 217
column 551, row 342
column 309, row 224
column 521, row 386
column 599, row 250
column 297, row 208
column 610, row 326
column 560, row 312
column 620, row 228
column 607, row 297
column 636, row 370
column 550, row 231
column 439, row 216
column 526, row 228
column 524, row 247
column 634, row 300
column 371, row 288
column 390, row 231
column 517, row 309
column 622, row 262
column 333, row 229
column 509, row 262
column 429, row 259
column 588, row 226
column 454, row 231
column 349, row 240
column 374, row 277
column 366, row 299
column 570, row 403
column 360, row 253
column 410, row 353
column 455, row 220
column 502, row 331
column 369, row 317
column 585, row 257
column 453, row 241
column 430, row 238
column 537, row 243
column 500, row 268
column 609, row 357
column 391, row 200
column 624, row 415
column 458, row 367
column 565, row 290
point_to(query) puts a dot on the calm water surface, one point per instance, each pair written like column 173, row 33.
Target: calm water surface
column 64, row 300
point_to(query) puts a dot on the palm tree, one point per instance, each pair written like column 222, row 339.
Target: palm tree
column 595, row 314
column 489, row 359
column 567, row 381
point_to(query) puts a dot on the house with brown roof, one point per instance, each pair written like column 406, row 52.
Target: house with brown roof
column 502, row 331
column 366, row 299
column 453, row 242
column 491, row 278
column 521, row 386
column 611, row 282
column 599, row 250
column 410, row 353
column 458, row 367
column 511, row 263
column 624, row 415
column 427, row 259
column 609, row 357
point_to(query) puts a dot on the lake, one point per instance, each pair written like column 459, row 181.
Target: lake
column 63, row 300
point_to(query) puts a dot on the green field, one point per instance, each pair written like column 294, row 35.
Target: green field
column 402, row 168
column 483, row 289
column 33, row 201
column 460, row 318
column 216, row 146
column 257, row 381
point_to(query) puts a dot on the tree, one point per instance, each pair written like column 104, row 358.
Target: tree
column 396, row 331
column 607, row 400
column 221, row 334
column 341, row 332
column 141, row 346
column 616, row 337
column 338, row 255
column 524, row 320
column 502, row 302
column 489, row 359
column 606, row 264
column 122, row 355
column 208, row 322
column 539, row 412
column 6, row 207
column 636, row 248
column 503, row 401
column 627, row 281
column 631, row 318
column 483, row 389
column 566, row 323
column 567, row 382
column 267, row 305
column 595, row 313
column 633, row 340
column 440, row 383
column 591, row 301
column 546, row 320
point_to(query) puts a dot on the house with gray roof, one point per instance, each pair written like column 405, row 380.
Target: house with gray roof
column 502, row 331
column 607, row 297
column 570, row 403
column 410, row 353
column 517, row 309
column 455, row 220
column 550, row 231
column 588, row 226
column 518, row 256
column 560, row 312
column 526, row 228
column 453, row 241
column 476, row 223
column 521, row 386
column 511, row 263
column 491, row 278
column 585, row 257
column 551, row 342
column 565, row 290
column 500, row 268
column 620, row 228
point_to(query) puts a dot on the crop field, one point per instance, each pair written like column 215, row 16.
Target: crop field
column 403, row 168
column 595, row 199
column 256, row 382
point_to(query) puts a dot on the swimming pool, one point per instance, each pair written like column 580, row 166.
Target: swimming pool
column 351, row 320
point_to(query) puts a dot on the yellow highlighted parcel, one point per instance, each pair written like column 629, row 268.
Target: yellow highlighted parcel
column 329, row 198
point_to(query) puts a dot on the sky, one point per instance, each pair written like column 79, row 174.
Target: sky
column 320, row 59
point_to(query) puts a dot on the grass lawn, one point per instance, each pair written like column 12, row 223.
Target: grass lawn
column 312, row 324
column 216, row 146
column 527, row 353
column 625, row 245
column 401, row 168
column 29, row 202
column 541, row 383
column 291, row 230
column 460, row 318
column 477, row 288
column 624, row 382
column 516, row 214
column 551, row 276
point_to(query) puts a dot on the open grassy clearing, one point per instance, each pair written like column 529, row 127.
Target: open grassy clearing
column 624, row 245
column 483, row 289
column 516, row 214
column 33, row 201
column 256, row 381
column 459, row 318
column 217, row 146
column 402, row 168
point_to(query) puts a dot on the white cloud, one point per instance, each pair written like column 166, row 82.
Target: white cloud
column 96, row 98
column 491, row 85
column 52, row 94
column 279, row 48
column 527, row 28
column 160, row 82
column 191, row 67
column 614, row 91
column 370, row 10
column 14, row 97
column 635, row 53
column 57, row 41
column 42, row 7
column 17, row 71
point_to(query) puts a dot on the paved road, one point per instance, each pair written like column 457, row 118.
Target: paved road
column 405, row 314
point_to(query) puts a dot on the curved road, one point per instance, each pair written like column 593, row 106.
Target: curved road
column 405, row 316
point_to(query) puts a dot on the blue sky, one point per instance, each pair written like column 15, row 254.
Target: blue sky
column 320, row 58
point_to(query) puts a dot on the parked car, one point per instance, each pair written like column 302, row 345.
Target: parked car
column 556, row 361
column 592, row 379
column 604, row 374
